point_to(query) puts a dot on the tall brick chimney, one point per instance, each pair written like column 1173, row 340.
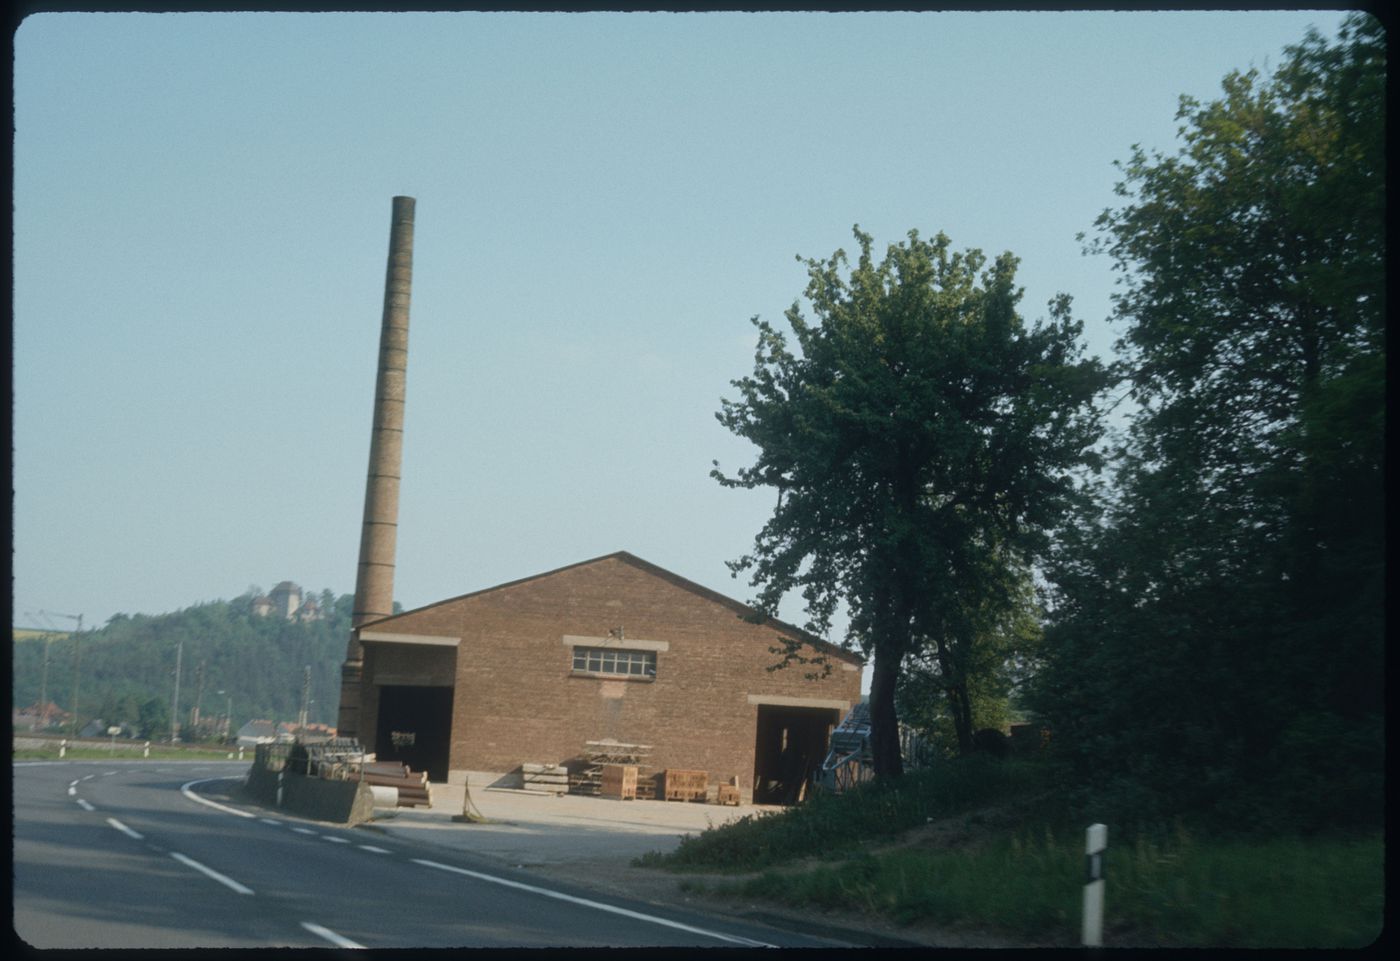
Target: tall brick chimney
column 374, row 581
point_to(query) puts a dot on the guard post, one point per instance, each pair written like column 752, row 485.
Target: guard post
column 1095, row 843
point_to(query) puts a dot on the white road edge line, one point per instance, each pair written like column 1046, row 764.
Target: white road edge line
column 185, row 789
column 226, row 881
column 596, row 905
column 329, row 935
column 124, row 829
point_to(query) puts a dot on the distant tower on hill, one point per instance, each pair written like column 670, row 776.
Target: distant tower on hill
column 285, row 598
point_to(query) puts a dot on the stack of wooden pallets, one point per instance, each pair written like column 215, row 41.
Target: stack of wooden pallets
column 682, row 785
column 728, row 792
column 546, row 778
column 619, row 781
column 587, row 777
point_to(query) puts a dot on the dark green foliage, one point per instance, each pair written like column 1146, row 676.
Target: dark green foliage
column 831, row 825
column 1168, row 890
column 127, row 667
column 994, row 667
column 1216, row 642
column 921, row 439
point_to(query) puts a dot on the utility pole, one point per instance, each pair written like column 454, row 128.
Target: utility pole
column 198, row 696
column 43, row 679
column 305, row 700
column 175, row 701
column 44, row 686
column 73, row 725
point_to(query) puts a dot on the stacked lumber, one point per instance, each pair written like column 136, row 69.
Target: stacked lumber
column 587, row 777
column 412, row 785
column 681, row 785
column 550, row 778
column 728, row 792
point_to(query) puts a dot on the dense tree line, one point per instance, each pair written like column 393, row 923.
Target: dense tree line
column 126, row 669
column 1216, row 640
column 1209, row 632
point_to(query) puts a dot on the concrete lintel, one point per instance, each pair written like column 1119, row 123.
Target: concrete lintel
column 412, row 680
column 621, row 643
column 384, row 637
column 784, row 700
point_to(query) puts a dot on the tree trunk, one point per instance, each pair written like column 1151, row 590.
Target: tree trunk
column 884, row 722
column 960, row 706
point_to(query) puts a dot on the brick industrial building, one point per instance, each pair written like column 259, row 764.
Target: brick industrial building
column 610, row 648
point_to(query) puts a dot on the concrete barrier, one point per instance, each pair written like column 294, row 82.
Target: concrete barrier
column 321, row 799
column 344, row 802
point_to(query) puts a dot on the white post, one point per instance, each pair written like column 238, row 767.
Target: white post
column 1095, row 843
column 146, row 751
column 62, row 747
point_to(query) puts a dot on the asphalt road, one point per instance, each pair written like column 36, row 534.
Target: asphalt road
column 146, row 854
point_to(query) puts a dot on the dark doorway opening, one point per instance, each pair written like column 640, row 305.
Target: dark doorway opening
column 790, row 745
column 415, row 728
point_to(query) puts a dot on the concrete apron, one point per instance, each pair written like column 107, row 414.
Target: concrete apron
column 528, row 828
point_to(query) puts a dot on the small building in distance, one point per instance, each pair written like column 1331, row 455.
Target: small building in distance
column 609, row 649
column 285, row 600
column 35, row 718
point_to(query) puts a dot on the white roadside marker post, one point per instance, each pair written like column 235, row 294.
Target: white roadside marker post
column 1095, row 843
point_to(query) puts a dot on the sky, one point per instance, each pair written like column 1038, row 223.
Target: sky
column 201, row 219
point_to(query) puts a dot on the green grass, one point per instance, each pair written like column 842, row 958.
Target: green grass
column 831, row 826
column 1014, row 865
column 1282, row 893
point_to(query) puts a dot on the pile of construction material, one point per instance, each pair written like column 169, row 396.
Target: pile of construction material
column 587, row 776
column 412, row 786
column 544, row 778
column 344, row 759
column 337, row 758
column 681, row 785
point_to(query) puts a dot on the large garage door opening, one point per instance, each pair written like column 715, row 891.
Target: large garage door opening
column 791, row 743
column 415, row 727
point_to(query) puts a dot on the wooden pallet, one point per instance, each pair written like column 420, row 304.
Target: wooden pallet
column 678, row 784
column 587, row 777
column 619, row 781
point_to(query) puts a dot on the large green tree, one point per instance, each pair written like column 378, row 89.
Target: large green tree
column 1217, row 633
column 922, row 439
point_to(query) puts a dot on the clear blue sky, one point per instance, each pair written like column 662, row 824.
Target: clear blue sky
column 201, row 218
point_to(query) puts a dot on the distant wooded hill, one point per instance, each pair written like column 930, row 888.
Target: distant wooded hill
column 126, row 670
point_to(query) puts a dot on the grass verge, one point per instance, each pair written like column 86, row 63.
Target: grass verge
column 1018, row 869
column 1282, row 893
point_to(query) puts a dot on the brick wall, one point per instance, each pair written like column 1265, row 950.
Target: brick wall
column 518, row 700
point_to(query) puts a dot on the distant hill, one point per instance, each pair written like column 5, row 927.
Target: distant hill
column 126, row 670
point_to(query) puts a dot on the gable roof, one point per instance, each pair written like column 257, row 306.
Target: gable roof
column 741, row 610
